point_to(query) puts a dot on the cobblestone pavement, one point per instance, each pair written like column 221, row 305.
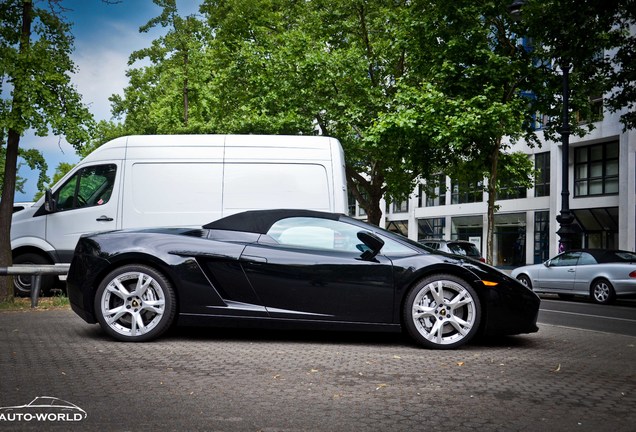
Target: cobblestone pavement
column 559, row 379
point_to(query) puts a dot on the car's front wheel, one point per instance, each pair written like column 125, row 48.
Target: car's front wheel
column 135, row 303
column 442, row 311
column 602, row 291
column 525, row 281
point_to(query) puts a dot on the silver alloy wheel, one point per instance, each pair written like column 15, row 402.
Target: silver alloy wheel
column 444, row 312
column 525, row 281
column 602, row 292
column 133, row 303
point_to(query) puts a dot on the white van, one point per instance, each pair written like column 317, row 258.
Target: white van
column 177, row 180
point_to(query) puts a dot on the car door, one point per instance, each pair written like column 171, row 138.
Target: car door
column 560, row 273
column 86, row 202
column 310, row 268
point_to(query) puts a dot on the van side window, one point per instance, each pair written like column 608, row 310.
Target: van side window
column 90, row 186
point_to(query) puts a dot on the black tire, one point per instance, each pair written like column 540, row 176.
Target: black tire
column 431, row 318
column 525, row 281
column 120, row 312
column 602, row 292
column 22, row 284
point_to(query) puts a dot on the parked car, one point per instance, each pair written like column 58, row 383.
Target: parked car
column 293, row 269
column 457, row 247
column 599, row 274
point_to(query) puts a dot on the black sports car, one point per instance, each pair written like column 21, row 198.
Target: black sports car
column 291, row 269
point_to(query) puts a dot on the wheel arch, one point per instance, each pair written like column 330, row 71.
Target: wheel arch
column 473, row 280
column 28, row 249
column 139, row 259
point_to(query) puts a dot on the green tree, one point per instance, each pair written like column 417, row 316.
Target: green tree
column 476, row 87
column 34, row 160
column 324, row 66
column 167, row 95
column 36, row 94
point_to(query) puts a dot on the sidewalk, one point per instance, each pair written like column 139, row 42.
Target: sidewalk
column 558, row 379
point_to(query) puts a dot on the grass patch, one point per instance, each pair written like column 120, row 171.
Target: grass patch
column 44, row 303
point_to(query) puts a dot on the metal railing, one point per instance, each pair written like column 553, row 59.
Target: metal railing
column 35, row 271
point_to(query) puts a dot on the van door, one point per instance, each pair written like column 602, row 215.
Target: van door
column 87, row 202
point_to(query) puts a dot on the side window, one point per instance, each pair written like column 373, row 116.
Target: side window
column 90, row 186
column 316, row 233
column 586, row 259
column 326, row 234
column 565, row 259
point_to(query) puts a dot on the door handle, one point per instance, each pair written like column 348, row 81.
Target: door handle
column 104, row 218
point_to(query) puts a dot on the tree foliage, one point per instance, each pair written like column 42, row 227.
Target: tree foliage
column 36, row 93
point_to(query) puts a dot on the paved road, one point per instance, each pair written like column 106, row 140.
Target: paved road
column 617, row 318
column 559, row 379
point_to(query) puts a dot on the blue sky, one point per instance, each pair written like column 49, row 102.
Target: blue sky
column 105, row 36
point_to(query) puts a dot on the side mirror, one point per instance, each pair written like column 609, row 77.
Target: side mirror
column 373, row 242
column 49, row 202
column 546, row 263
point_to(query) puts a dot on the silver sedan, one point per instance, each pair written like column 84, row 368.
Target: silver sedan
column 600, row 274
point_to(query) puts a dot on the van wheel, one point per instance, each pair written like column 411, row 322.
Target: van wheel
column 22, row 283
column 135, row 303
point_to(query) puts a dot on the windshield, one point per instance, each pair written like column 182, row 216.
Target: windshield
column 464, row 249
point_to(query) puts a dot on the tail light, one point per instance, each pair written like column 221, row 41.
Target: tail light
column 482, row 259
column 633, row 274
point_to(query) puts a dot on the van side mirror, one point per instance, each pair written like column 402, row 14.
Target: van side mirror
column 372, row 242
column 49, row 202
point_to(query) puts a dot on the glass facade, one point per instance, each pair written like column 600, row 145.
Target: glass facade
column 542, row 174
column 541, row 236
column 464, row 192
column 432, row 228
column 596, row 169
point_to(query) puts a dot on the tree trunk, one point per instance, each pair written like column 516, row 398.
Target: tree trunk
column 6, row 211
column 368, row 193
column 185, row 91
column 492, row 196
column 11, row 164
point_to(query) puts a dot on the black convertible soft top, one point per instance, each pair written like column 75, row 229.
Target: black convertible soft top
column 260, row 221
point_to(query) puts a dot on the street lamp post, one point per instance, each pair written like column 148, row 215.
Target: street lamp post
column 565, row 218
column 566, row 229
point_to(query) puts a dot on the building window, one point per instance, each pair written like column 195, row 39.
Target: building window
column 352, row 204
column 398, row 227
column 433, row 193
column 506, row 193
column 401, row 207
column 595, row 113
column 596, row 170
column 465, row 192
column 541, row 236
column 542, row 174
column 431, row 228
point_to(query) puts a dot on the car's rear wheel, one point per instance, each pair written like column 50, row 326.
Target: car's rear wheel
column 602, row 291
column 135, row 303
column 525, row 281
column 442, row 311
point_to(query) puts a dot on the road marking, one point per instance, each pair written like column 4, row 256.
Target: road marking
column 587, row 315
